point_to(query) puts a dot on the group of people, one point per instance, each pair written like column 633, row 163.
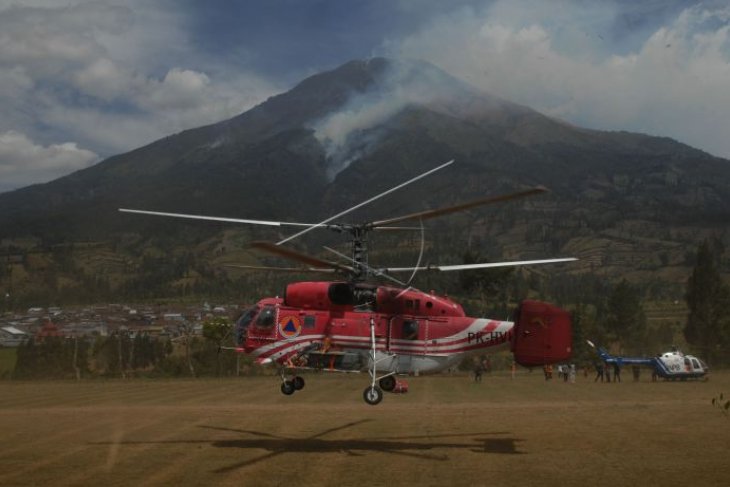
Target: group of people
column 565, row 372
column 603, row 372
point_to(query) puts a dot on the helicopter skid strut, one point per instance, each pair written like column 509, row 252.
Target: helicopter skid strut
column 373, row 394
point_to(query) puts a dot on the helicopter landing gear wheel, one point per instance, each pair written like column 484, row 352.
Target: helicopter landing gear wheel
column 287, row 388
column 372, row 395
column 298, row 383
column 387, row 383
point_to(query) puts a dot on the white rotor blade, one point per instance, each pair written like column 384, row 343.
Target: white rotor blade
column 218, row 218
column 484, row 265
column 420, row 252
column 366, row 202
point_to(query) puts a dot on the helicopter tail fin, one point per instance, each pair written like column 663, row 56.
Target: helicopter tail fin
column 542, row 334
column 605, row 356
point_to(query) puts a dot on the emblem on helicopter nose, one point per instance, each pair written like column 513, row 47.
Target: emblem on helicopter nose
column 289, row 327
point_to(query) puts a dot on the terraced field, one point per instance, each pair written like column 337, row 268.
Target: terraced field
column 445, row 431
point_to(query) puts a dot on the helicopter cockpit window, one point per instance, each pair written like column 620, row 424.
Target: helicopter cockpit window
column 695, row 364
column 243, row 323
column 410, row 329
column 266, row 317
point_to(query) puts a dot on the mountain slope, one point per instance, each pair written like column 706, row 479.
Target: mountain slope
column 627, row 204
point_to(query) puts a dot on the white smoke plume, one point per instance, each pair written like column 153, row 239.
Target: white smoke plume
column 348, row 133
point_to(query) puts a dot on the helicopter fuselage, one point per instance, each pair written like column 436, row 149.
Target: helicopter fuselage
column 345, row 326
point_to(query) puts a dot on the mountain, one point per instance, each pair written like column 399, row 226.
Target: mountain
column 627, row 204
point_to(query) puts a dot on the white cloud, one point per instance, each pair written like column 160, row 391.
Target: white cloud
column 181, row 88
column 52, row 41
column 109, row 77
column 675, row 83
column 158, row 108
column 103, row 79
column 24, row 162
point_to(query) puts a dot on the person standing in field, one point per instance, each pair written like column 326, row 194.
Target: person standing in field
column 548, row 370
column 616, row 372
column 599, row 371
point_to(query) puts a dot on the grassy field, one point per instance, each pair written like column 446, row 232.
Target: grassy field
column 445, row 431
column 7, row 360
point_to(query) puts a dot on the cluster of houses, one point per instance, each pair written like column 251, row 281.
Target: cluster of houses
column 103, row 320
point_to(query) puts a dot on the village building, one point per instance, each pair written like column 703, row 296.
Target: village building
column 11, row 336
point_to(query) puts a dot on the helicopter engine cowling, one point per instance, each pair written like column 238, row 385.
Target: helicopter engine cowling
column 542, row 334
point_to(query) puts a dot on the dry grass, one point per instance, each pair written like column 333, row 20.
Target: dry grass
column 7, row 360
column 446, row 431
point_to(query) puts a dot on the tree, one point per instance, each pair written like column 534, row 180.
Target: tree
column 51, row 358
column 708, row 299
column 216, row 332
column 489, row 282
column 625, row 319
column 581, row 352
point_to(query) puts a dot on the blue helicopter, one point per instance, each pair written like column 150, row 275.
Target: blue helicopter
column 670, row 365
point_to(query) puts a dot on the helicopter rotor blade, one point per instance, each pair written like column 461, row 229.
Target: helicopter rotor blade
column 420, row 252
column 398, row 229
column 279, row 269
column 461, row 207
column 220, row 219
column 291, row 254
column 343, row 213
column 483, row 265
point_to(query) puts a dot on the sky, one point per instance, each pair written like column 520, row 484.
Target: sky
column 83, row 80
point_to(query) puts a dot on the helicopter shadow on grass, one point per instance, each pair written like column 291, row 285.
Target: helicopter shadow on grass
column 417, row 446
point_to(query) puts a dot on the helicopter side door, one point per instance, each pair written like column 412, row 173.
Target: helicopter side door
column 406, row 338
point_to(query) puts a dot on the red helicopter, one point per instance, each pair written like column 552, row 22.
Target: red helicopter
column 353, row 325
